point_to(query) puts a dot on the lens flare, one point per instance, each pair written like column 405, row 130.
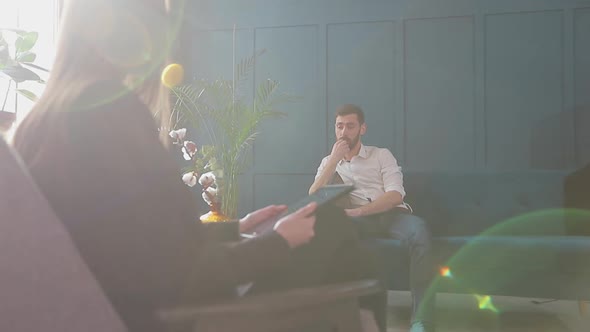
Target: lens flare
column 484, row 302
column 445, row 271
column 139, row 50
column 508, row 254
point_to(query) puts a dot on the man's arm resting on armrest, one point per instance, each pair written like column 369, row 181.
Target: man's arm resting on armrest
column 385, row 202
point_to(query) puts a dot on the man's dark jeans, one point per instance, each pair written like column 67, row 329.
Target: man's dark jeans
column 414, row 234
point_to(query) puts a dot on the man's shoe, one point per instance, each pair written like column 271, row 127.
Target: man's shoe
column 421, row 327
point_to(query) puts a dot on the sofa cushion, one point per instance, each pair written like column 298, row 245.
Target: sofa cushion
column 470, row 203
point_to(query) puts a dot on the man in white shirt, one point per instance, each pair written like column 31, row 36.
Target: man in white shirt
column 377, row 203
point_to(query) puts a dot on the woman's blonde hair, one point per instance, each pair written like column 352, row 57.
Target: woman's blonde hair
column 124, row 40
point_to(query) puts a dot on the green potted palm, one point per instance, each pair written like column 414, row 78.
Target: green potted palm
column 229, row 126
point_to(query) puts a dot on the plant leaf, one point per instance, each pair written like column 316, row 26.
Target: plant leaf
column 26, row 57
column 28, row 94
column 35, row 66
column 20, row 74
column 265, row 90
column 245, row 144
column 26, row 42
column 246, row 65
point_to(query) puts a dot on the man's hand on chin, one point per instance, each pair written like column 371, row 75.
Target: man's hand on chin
column 353, row 212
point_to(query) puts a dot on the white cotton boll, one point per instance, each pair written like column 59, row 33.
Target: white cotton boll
column 206, row 198
column 181, row 133
column 178, row 134
column 190, row 179
column 186, row 155
column 212, row 191
column 211, row 194
column 189, row 150
column 207, row 179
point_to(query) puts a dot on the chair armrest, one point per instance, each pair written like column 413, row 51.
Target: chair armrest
column 275, row 302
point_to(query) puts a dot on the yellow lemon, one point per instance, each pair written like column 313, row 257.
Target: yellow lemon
column 172, row 75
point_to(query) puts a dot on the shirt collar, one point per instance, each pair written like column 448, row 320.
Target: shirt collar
column 362, row 153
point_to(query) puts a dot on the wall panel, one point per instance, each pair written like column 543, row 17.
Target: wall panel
column 524, row 90
column 360, row 70
column 295, row 143
column 582, row 84
column 440, row 94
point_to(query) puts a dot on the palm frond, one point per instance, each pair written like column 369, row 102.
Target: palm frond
column 265, row 90
column 191, row 106
column 246, row 65
column 246, row 143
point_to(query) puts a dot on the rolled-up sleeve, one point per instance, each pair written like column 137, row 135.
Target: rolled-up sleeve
column 393, row 179
column 321, row 168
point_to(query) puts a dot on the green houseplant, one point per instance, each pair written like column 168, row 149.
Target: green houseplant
column 229, row 124
column 17, row 65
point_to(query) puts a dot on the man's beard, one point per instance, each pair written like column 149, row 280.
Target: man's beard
column 352, row 142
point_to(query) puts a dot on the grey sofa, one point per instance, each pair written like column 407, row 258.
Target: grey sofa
column 498, row 234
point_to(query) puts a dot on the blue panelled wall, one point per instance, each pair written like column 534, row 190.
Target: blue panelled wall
column 446, row 84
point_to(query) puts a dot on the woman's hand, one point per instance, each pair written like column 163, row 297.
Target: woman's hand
column 297, row 228
column 256, row 217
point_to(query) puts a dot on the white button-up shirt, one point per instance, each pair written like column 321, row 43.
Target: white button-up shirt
column 372, row 172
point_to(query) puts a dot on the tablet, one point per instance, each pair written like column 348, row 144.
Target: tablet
column 324, row 195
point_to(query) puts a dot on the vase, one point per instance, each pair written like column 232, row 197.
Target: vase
column 219, row 226
column 215, row 215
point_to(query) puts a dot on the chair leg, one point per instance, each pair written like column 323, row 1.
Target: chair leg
column 583, row 307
